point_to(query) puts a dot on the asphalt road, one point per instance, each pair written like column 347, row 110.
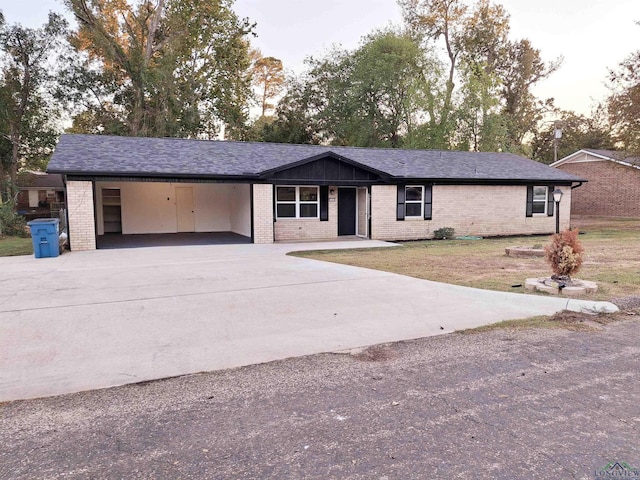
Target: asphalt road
column 552, row 404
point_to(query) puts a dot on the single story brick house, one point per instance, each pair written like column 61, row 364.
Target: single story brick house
column 280, row 192
column 614, row 182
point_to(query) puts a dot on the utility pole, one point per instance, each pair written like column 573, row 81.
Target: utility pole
column 557, row 134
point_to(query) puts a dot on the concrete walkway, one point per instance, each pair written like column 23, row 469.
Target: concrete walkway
column 97, row 319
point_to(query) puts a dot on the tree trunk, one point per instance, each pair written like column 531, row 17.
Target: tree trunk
column 12, row 188
column 3, row 192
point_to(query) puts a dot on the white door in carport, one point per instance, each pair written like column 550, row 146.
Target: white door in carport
column 185, row 209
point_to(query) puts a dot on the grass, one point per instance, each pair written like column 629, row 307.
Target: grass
column 11, row 246
column 574, row 321
column 612, row 249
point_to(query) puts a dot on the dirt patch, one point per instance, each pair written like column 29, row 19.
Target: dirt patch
column 576, row 321
column 628, row 304
column 565, row 320
column 376, row 353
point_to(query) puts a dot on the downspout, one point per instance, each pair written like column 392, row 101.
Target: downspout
column 576, row 186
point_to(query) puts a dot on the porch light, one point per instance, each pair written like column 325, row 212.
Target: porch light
column 332, row 191
column 557, row 197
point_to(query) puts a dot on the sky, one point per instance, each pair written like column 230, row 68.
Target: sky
column 592, row 36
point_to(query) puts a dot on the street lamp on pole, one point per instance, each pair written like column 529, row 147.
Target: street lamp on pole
column 557, row 197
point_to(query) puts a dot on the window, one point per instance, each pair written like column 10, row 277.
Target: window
column 413, row 195
column 297, row 202
column 539, row 205
column 539, row 200
column 414, row 201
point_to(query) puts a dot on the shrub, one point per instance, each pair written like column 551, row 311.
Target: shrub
column 443, row 233
column 11, row 223
column 565, row 254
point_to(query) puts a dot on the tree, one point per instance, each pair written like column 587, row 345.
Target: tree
column 385, row 91
column 159, row 68
column 624, row 103
column 367, row 97
column 27, row 113
column 481, row 122
column 481, row 126
column 268, row 77
column 519, row 70
column 495, row 75
column 293, row 121
column 429, row 21
column 578, row 131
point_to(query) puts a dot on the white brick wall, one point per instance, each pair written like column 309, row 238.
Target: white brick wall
column 81, row 216
column 262, row 213
column 471, row 209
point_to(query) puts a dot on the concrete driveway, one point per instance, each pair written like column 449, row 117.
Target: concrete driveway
column 97, row 319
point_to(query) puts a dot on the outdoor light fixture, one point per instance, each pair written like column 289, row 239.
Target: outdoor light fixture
column 557, row 196
column 557, row 135
column 332, row 191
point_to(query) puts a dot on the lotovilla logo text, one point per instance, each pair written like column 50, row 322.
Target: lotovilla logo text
column 618, row 470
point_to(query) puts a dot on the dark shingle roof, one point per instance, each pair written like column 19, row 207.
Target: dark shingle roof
column 135, row 156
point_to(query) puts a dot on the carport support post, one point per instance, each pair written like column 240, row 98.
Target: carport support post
column 262, row 213
column 80, row 212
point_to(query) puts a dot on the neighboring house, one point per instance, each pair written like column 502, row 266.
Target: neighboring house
column 277, row 192
column 40, row 195
column 614, row 182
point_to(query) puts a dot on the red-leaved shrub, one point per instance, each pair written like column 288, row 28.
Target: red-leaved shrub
column 565, row 254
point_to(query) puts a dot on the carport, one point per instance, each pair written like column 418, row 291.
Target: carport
column 152, row 211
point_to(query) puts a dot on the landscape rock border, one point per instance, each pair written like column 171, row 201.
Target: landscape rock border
column 547, row 285
column 524, row 252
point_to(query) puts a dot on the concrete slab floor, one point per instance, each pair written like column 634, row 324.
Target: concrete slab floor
column 88, row 320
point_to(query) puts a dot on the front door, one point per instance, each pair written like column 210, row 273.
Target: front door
column 363, row 213
column 184, row 209
column 346, row 211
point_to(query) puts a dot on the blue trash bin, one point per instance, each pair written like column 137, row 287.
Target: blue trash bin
column 44, row 234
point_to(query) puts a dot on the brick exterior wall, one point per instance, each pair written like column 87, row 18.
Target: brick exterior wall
column 82, row 234
column 470, row 210
column 262, row 213
column 292, row 229
column 613, row 190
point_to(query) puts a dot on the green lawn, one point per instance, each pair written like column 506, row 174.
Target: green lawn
column 11, row 246
column 612, row 259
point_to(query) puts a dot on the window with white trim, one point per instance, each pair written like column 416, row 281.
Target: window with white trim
column 297, row 202
column 413, row 201
column 539, row 203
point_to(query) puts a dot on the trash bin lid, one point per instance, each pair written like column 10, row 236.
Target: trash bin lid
column 40, row 221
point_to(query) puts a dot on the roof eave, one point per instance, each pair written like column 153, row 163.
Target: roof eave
column 489, row 181
column 85, row 173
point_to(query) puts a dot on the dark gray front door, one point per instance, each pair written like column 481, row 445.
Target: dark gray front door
column 346, row 211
